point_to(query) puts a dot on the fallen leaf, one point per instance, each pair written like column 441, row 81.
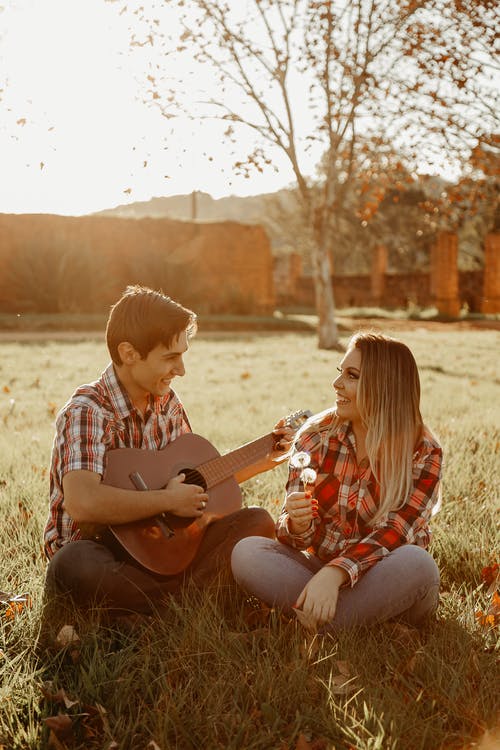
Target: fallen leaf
column 491, row 577
column 339, row 685
column 66, row 636
column 344, row 668
column 54, row 743
column 491, row 617
column 61, row 725
column 249, row 637
column 490, row 740
column 303, row 743
column 59, row 696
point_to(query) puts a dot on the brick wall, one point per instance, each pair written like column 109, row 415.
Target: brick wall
column 82, row 264
column 445, row 287
column 400, row 291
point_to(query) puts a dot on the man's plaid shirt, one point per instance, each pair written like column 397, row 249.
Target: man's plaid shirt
column 97, row 418
column 348, row 497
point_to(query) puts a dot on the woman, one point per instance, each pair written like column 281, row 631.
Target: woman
column 351, row 543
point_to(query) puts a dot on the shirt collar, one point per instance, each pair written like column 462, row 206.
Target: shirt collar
column 120, row 400
column 345, row 433
column 118, row 396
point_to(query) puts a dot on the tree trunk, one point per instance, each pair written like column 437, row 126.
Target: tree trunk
column 325, row 304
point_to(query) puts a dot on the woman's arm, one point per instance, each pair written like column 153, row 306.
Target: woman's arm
column 405, row 525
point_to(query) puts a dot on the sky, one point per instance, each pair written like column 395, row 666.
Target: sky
column 75, row 133
column 78, row 132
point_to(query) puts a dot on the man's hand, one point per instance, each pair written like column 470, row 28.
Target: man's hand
column 283, row 435
column 185, row 500
column 318, row 598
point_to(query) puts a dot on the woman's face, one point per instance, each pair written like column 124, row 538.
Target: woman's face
column 346, row 386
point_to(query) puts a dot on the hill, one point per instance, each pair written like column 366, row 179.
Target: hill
column 267, row 209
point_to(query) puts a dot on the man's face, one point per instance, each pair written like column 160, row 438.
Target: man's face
column 155, row 372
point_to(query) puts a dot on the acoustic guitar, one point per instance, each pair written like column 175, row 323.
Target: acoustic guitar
column 167, row 544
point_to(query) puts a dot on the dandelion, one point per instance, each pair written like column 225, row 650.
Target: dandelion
column 308, row 476
column 300, row 460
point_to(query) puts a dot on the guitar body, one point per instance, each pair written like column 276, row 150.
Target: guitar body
column 167, row 544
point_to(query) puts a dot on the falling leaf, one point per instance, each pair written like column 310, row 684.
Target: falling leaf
column 245, row 375
column 42, row 164
column 21, row 121
column 128, row 191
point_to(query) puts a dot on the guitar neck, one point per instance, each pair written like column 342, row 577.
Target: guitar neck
column 222, row 467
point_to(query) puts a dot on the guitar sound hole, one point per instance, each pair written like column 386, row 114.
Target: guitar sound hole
column 194, row 477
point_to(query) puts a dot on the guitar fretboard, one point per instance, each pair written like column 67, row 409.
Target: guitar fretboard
column 218, row 469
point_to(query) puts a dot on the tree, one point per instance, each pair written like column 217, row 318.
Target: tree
column 412, row 76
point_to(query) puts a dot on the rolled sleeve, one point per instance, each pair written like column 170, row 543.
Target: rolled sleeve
column 406, row 525
column 82, row 439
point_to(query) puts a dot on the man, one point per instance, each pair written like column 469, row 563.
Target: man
column 132, row 405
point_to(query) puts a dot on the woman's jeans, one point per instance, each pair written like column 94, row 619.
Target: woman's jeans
column 404, row 584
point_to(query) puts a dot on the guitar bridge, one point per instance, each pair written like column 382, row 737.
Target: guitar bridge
column 162, row 523
column 141, row 486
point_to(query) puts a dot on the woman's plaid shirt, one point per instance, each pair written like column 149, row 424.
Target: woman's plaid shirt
column 97, row 418
column 348, row 497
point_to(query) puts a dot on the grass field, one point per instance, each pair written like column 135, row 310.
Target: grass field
column 213, row 673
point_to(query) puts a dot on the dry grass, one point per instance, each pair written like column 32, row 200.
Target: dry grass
column 207, row 676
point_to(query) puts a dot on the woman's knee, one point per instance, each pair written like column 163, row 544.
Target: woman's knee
column 418, row 565
column 246, row 555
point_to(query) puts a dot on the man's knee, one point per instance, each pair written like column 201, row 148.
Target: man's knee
column 259, row 522
column 76, row 569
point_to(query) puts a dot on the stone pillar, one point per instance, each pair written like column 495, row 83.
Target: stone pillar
column 379, row 270
column 491, row 283
column 444, row 274
column 294, row 270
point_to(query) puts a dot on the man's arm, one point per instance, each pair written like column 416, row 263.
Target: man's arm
column 283, row 439
column 88, row 500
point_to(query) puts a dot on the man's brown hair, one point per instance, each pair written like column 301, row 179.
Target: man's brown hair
column 145, row 318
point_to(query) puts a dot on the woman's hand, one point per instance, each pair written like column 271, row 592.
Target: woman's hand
column 301, row 508
column 318, row 598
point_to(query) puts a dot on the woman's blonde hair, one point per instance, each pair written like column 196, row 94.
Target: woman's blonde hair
column 388, row 399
